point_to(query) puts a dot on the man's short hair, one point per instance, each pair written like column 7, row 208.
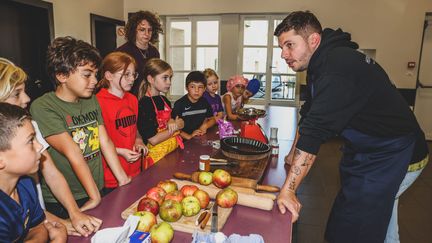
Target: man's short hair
column 197, row 77
column 65, row 54
column 11, row 117
column 303, row 22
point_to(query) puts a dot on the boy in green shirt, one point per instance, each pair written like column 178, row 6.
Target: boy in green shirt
column 71, row 122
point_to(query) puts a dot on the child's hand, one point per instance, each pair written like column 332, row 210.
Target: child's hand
column 56, row 231
column 138, row 147
column 91, row 203
column 172, row 126
column 197, row 132
column 125, row 181
column 129, row 155
column 203, row 129
column 179, row 122
column 83, row 224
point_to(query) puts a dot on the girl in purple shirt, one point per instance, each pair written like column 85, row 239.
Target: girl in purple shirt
column 210, row 94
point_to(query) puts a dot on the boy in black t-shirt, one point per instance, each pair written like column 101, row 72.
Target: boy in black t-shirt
column 193, row 108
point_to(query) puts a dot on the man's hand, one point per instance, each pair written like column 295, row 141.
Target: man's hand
column 84, row 224
column 129, row 155
column 56, row 231
column 288, row 200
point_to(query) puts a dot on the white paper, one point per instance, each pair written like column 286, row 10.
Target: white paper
column 117, row 234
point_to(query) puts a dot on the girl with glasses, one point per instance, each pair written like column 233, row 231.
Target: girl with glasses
column 120, row 111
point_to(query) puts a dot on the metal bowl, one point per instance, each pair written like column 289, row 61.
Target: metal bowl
column 250, row 113
column 248, row 149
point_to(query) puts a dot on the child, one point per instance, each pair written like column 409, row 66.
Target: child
column 251, row 89
column 155, row 125
column 70, row 120
column 119, row 112
column 210, row 94
column 233, row 99
column 21, row 216
column 12, row 91
column 193, row 108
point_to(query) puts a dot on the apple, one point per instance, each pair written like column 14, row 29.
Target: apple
column 205, row 178
column 168, row 185
column 221, row 178
column 157, row 194
column 170, row 210
column 191, row 206
column 188, row 190
column 161, row 233
column 146, row 221
column 175, row 195
column 149, row 205
column 203, row 197
column 226, row 198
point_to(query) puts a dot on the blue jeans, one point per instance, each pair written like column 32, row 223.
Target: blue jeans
column 393, row 228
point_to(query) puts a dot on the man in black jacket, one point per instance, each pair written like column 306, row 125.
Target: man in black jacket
column 351, row 96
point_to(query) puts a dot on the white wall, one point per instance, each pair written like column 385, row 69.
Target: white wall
column 392, row 27
column 72, row 17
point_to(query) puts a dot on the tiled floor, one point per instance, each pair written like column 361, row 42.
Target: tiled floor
column 319, row 189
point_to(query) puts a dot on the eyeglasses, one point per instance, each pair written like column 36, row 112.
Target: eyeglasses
column 129, row 75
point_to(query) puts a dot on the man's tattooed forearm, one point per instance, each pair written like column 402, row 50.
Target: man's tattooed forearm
column 297, row 153
column 296, row 170
column 292, row 184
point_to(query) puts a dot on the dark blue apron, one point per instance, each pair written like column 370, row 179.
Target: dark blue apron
column 371, row 171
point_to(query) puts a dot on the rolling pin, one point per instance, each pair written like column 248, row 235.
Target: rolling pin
column 248, row 200
column 236, row 181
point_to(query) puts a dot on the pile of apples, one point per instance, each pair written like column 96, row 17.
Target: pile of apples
column 171, row 204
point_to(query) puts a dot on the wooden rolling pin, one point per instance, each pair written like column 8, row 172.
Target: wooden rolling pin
column 248, row 200
column 236, row 181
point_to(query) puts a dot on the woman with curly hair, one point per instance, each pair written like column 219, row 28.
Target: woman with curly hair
column 142, row 32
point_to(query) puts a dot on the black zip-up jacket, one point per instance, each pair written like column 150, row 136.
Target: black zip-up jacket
column 349, row 89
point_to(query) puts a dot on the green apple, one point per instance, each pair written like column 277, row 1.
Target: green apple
column 146, row 221
column 205, row 178
column 191, row 206
column 170, row 210
column 161, row 233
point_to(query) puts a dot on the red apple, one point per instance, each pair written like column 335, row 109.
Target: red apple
column 190, row 206
column 188, row 190
column 203, row 197
column 226, row 198
column 149, row 205
column 168, row 185
column 205, row 178
column 175, row 195
column 157, row 194
column 147, row 220
column 170, row 210
column 221, row 178
column 161, row 233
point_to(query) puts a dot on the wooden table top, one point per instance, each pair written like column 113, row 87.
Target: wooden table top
column 271, row 225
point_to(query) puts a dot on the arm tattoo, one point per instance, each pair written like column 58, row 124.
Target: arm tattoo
column 296, row 170
column 292, row 184
column 296, row 153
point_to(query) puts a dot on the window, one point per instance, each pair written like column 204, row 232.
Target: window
column 261, row 59
column 192, row 44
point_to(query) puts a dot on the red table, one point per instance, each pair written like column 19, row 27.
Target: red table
column 271, row 225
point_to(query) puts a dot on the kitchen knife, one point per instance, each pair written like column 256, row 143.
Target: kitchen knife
column 214, row 222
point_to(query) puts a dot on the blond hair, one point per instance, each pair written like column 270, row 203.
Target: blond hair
column 208, row 72
column 11, row 76
column 152, row 67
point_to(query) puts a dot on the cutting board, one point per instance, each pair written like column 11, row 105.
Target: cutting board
column 252, row 169
column 185, row 224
